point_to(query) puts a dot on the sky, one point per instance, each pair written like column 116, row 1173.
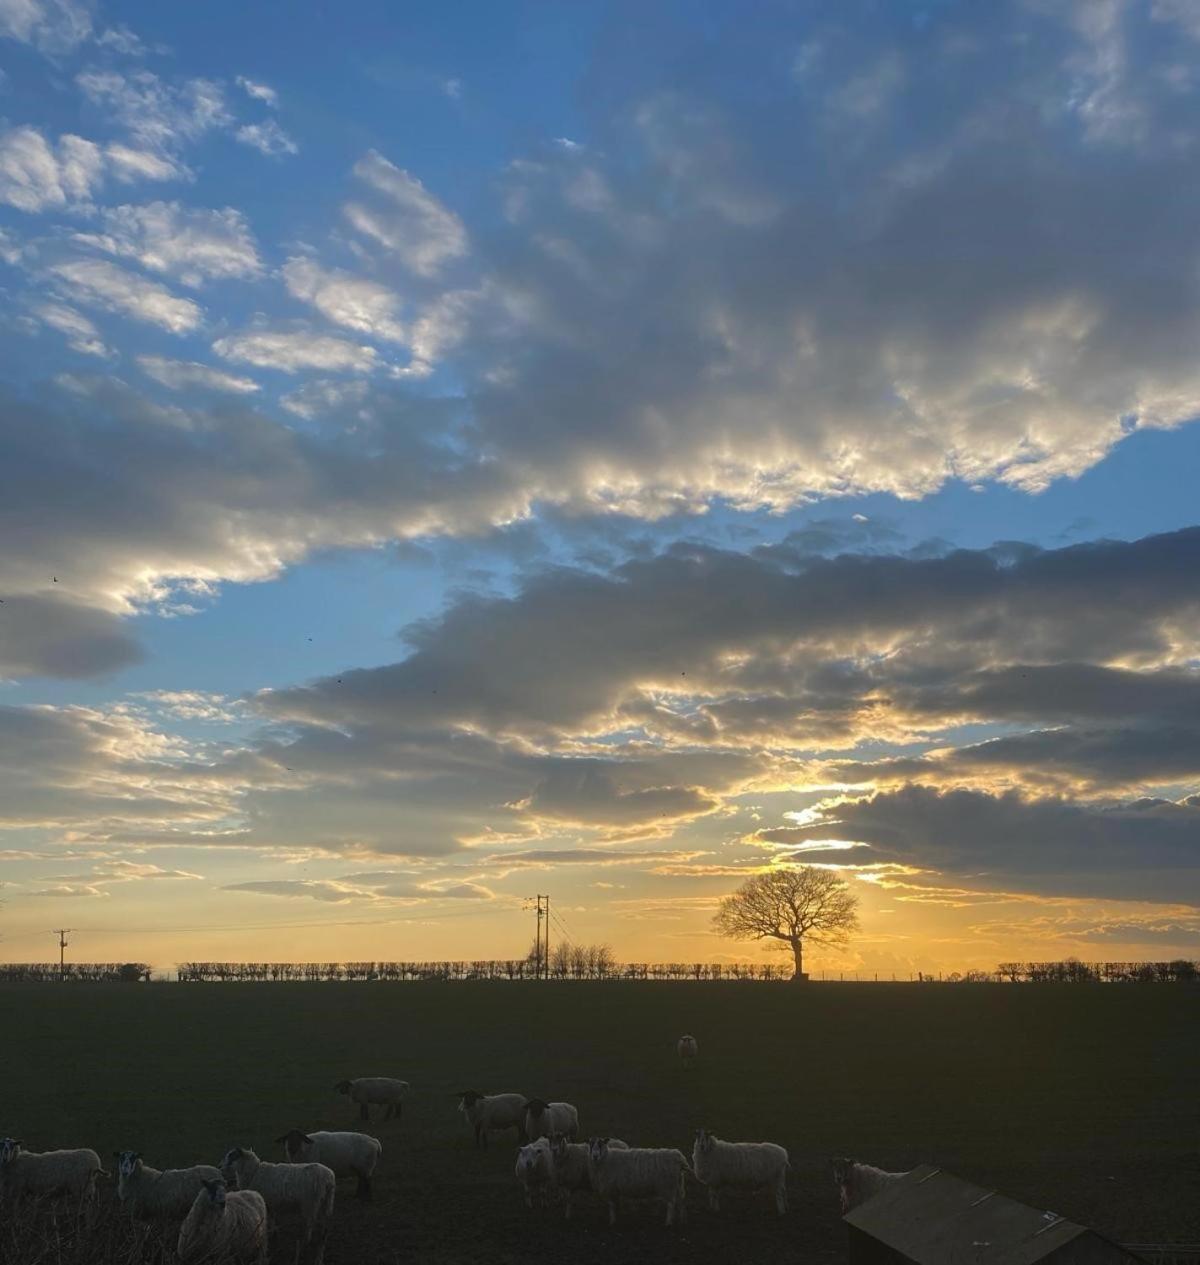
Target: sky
column 452, row 452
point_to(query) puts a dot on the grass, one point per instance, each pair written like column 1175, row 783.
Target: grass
column 1077, row 1098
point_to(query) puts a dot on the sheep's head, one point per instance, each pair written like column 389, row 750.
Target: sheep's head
column 216, row 1194
column 536, row 1106
column 597, row 1149
column 531, row 1160
column 128, row 1162
column 843, row 1173
column 342, row 1087
column 705, row 1141
column 467, row 1099
column 294, row 1143
column 229, row 1161
column 558, row 1145
column 10, row 1148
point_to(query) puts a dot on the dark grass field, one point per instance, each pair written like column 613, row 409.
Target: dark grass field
column 1080, row 1099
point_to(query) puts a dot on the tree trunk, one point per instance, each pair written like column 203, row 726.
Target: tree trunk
column 798, row 954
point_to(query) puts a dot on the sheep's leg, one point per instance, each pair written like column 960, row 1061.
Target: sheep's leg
column 612, row 1211
column 714, row 1201
column 399, row 1110
column 363, row 1111
column 363, row 1190
column 781, row 1196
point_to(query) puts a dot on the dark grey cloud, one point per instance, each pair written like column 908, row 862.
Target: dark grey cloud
column 751, row 636
column 49, row 636
column 1143, row 850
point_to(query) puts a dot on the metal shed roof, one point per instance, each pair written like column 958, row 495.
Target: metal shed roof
column 931, row 1217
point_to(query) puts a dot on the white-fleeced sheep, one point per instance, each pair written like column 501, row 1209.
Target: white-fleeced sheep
column 857, row 1182
column 22, row 1173
column 492, row 1113
column 740, row 1166
column 347, row 1154
column 224, row 1225
column 152, row 1194
column 533, row 1170
column 687, row 1048
column 569, row 1166
column 544, row 1118
column 306, row 1189
column 637, row 1173
column 378, row 1091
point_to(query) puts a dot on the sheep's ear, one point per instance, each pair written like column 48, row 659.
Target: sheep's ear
column 306, row 1139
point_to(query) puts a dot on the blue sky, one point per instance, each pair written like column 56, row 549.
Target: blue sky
column 455, row 450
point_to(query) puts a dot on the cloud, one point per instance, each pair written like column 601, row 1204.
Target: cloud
column 129, row 165
column 160, row 117
column 82, row 335
column 315, row 889
column 353, row 302
column 104, row 285
column 258, row 91
column 51, row 636
column 181, row 375
column 290, row 351
column 1139, row 850
column 51, row 26
column 268, row 138
column 188, row 244
column 37, row 176
column 405, row 218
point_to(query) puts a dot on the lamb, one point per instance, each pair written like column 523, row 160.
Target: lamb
column 544, row 1118
column 384, row 1091
column 304, row 1188
column 687, row 1049
column 569, row 1165
column 159, row 1194
column 47, row 1172
column 748, row 1165
column 857, row 1182
column 491, row 1113
column 534, row 1169
column 346, row 1154
column 224, row 1224
column 637, row 1172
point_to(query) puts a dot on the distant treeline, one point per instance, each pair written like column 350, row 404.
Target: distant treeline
column 592, row 967
column 1073, row 971
column 86, row 972
column 579, row 967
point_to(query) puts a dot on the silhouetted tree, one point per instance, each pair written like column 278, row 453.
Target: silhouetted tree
column 790, row 905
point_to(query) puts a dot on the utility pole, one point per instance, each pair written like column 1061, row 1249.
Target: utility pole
column 62, row 933
column 541, row 943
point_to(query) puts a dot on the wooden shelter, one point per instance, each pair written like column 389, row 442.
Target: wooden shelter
column 931, row 1217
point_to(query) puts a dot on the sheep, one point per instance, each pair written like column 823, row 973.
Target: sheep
column 304, row 1188
column 857, row 1182
column 637, row 1172
column 749, row 1165
column 153, row 1194
column 491, row 1113
column 383, row 1091
column 687, row 1048
column 224, row 1224
column 544, row 1118
column 47, row 1172
column 533, row 1169
column 347, row 1154
column 569, row 1165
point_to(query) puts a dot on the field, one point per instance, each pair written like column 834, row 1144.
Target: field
column 1082, row 1099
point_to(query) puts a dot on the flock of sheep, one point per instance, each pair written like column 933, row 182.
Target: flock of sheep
column 225, row 1210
